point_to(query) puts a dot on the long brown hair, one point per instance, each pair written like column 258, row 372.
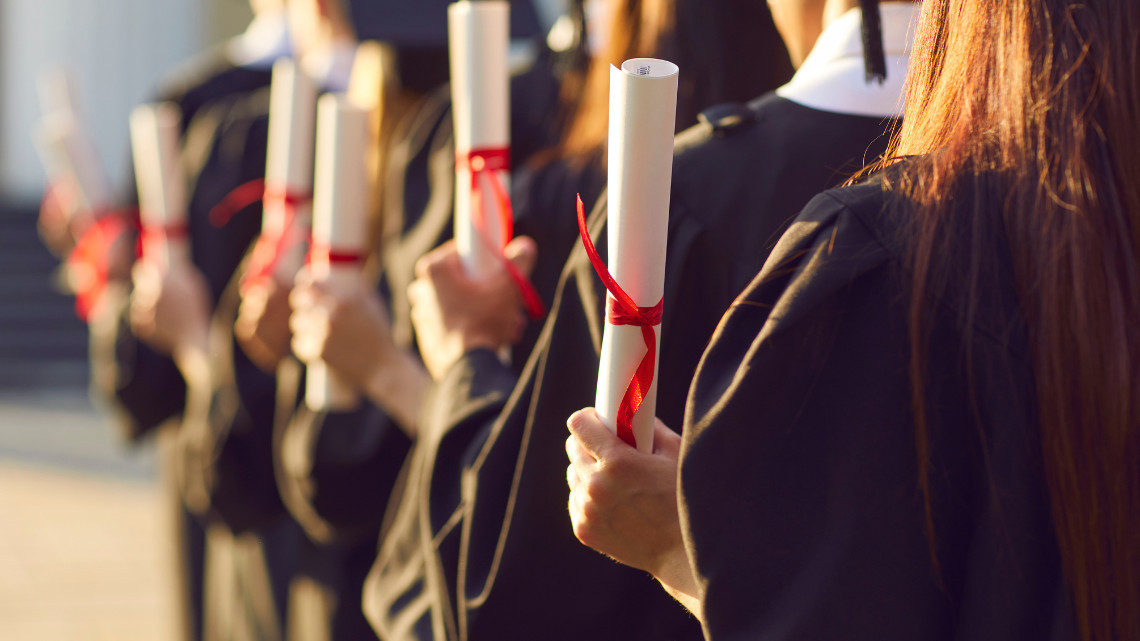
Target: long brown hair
column 728, row 50
column 1045, row 94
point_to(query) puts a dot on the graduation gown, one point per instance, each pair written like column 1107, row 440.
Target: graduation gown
column 481, row 547
column 799, row 477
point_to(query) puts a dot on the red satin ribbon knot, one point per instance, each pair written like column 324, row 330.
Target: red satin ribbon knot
column 621, row 310
column 149, row 235
column 486, row 162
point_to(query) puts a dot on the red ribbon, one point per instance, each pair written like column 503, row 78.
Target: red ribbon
column 487, row 162
column 268, row 250
column 621, row 310
column 149, row 235
column 89, row 261
column 321, row 253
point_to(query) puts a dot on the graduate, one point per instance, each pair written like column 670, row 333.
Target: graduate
column 485, row 534
column 918, row 421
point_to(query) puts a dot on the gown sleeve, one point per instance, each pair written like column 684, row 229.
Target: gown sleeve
column 337, row 470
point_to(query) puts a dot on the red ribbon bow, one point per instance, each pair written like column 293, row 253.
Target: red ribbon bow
column 621, row 310
column 486, row 162
column 268, row 250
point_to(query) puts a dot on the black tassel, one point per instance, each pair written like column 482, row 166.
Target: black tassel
column 874, row 60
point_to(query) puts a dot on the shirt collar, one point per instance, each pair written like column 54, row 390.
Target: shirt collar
column 832, row 78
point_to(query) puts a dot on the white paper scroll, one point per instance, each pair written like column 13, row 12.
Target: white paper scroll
column 340, row 223
column 58, row 91
column 289, row 163
column 161, row 182
column 643, row 108
column 478, row 36
column 70, row 157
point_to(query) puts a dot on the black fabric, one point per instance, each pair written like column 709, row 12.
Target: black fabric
column 424, row 22
column 799, row 475
column 500, row 558
column 544, row 204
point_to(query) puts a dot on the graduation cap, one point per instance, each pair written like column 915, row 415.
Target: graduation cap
column 423, row 23
column 874, row 59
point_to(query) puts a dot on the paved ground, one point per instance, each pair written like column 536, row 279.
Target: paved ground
column 82, row 535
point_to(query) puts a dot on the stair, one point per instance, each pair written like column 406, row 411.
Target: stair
column 42, row 343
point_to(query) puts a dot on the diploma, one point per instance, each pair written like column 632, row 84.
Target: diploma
column 70, row 158
column 161, row 182
column 287, row 202
column 58, row 91
column 643, row 106
column 340, row 224
column 478, row 35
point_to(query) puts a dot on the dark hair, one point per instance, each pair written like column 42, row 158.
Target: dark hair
column 1045, row 95
column 728, row 50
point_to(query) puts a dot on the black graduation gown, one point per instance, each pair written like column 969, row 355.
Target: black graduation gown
column 482, row 547
column 799, row 478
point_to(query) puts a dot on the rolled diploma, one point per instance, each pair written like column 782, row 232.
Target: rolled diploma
column 289, row 163
column 58, row 91
column 340, row 222
column 161, row 180
column 478, row 36
column 643, row 107
column 69, row 155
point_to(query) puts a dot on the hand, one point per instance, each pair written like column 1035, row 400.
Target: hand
column 54, row 222
column 262, row 326
column 623, row 503
column 348, row 330
column 170, row 309
column 454, row 313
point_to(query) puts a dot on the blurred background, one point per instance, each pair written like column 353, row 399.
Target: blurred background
column 81, row 515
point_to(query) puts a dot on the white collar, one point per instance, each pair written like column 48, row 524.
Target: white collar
column 265, row 40
column 832, row 78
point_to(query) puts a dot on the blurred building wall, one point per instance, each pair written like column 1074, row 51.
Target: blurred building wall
column 117, row 50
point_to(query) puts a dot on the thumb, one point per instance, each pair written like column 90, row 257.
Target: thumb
column 592, row 433
column 523, row 252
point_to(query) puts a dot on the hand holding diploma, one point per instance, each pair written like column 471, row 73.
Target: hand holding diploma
column 262, row 325
column 623, row 502
column 170, row 308
column 455, row 312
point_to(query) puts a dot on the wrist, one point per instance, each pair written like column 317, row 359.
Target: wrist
column 397, row 385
